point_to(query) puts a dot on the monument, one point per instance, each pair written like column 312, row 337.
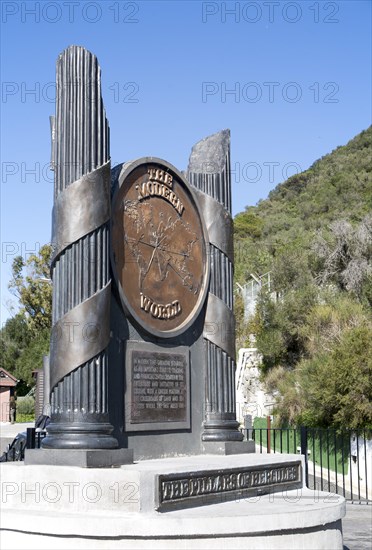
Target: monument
column 143, row 433
column 143, row 338
column 172, row 319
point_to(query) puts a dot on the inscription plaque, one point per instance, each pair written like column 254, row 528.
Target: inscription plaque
column 157, row 387
column 159, row 247
column 188, row 489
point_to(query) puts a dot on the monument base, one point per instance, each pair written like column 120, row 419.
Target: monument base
column 82, row 458
column 191, row 502
column 229, row 447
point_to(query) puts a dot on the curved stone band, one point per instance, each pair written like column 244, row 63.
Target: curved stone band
column 81, row 334
column 81, row 208
column 219, row 327
column 218, row 222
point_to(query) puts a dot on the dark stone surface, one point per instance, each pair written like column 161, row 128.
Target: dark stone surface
column 201, row 487
column 155, row 443
column 229, row 447
column 80, row 263
column 212, row 367
column 83, row 458
column 158, row 383
column 80, row 434
column 160, row 442
column 209, row 173
column 209, row 154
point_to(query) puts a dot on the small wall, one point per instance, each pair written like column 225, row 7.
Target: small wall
column 251, row 395
column 39, row 393
column 360, row 466
column 4, row 404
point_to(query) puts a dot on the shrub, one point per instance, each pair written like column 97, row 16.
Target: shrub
column 25, row 405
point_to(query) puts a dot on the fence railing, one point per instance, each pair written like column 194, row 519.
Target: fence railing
column 26, row 440
column 337, row 462
column 34, row 438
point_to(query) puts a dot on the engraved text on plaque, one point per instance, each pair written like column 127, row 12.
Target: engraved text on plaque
column 158, row 384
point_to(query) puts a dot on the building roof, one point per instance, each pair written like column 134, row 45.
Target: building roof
column 7, row 379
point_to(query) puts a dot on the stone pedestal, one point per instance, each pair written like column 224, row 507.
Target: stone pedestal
column 239, row 501
column 229, row 447
column 83, row 458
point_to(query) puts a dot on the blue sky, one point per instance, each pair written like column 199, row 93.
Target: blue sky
column 292, row 81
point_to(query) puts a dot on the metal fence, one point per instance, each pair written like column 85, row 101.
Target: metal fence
column 25, row 440
column 34, row 438
column 336, row 462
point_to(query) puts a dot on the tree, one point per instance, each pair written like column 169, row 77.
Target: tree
column 15, row 337
column 330, row 383
column 277, row 327
column 337, row 387
column 248, row 224
column 32, row 286
column 32, row 357
column 328, row 320
column 25, row 337
column 345, row 257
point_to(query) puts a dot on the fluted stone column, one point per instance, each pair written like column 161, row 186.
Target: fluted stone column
column 80, row 265
column 209, row 174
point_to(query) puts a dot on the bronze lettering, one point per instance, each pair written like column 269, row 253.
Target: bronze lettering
column 255, row 478
column 156, row 174
column 157, row 384
column 167, row 488
column 145, row 302
column 185, row 488
column 230, row 482
column 193, row 487
column 160, row 311
column 152, row 188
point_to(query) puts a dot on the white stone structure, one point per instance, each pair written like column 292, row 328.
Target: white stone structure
column 251, row 395
column 118, row 508
column 360, row 466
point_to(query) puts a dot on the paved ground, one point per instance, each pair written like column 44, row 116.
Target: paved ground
column 357, row 524
column 10, row 430
column 357, row 527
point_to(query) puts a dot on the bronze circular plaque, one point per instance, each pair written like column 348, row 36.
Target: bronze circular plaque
column 159, row 247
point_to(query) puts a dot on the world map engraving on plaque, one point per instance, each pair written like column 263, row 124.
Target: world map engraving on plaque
column 152, row 248
column 159, row 248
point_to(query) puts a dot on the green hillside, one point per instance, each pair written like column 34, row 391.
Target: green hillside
column 314, row 234
column 337, row 186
